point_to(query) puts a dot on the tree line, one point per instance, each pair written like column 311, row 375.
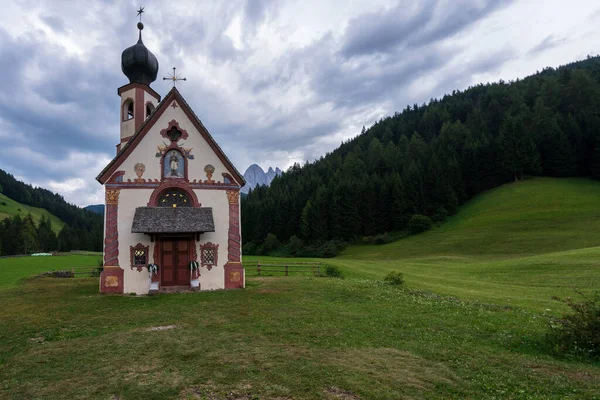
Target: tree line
column 429, row 159
column 83, row 229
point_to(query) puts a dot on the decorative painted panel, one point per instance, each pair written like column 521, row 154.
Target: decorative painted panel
column 174, row 166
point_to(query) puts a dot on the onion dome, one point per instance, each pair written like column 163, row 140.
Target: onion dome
column 138, row 63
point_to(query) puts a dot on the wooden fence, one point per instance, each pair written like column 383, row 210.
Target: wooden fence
column 91, row 271
column 314, row 268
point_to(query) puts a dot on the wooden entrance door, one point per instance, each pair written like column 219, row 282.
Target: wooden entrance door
column 175, row 259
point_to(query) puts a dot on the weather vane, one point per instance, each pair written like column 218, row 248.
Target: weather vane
column 174, row 78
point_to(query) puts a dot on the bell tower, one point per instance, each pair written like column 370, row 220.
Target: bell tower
column 138, row 99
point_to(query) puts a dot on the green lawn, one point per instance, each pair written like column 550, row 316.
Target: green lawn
column 9, row 208
column 15, row 269
column 474, row 328
column 281, row 338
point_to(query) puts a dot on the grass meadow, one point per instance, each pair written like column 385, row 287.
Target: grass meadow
column 471, row 322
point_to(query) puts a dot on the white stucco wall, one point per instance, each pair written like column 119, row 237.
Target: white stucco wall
column 146, row 150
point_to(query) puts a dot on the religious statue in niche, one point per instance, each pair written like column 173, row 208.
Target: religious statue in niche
column 173, row 165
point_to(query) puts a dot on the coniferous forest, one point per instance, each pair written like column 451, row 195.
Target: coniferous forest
column 428, row 159
column 21, row 235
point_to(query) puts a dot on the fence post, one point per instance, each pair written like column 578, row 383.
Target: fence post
column 259, row 268
column 314, row 269
column 286, row 270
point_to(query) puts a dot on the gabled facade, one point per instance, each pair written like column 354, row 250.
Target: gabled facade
column 172, row 196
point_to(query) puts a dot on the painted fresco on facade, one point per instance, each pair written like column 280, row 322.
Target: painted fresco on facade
column 173, row 165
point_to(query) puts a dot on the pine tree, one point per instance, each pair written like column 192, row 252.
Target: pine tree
column 28, row 235
column 519, row 154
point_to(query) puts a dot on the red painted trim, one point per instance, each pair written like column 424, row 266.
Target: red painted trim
column 139, row 115
column 174, row 124
column 126, row 139
column 113, row 178
column 150, row 184
column 137, row 85
column 233, row 269
column 111, row 280
column 126, row 151
column 172, row 185
column 111, row 236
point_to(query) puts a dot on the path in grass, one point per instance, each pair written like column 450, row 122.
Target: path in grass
column 14, row 269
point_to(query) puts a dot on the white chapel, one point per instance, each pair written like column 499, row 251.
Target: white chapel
column 172, row 216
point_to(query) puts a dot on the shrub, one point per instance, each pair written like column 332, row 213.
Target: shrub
column 326, row 250
column 394, row 278
column 3, row 203
column 295, row 245
column 578, row 332
column 333, row 272
column 382, row 239
column 250, row 248
column 419, row 223
column 271, row 243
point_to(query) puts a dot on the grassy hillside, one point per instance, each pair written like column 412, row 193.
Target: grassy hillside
column 536, row 216
column 519, row 244
column 9, row 207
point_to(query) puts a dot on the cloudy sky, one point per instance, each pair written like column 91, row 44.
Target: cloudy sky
column 275, row 82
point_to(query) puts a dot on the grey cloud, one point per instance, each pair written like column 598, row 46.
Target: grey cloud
column 62, row 120
column 548, row 43
column 54, row 22
column 424, row 23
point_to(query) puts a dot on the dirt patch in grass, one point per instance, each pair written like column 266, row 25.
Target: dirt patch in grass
column 392, row 366
column 268, row 291
column 340, row 394
column 555, row 371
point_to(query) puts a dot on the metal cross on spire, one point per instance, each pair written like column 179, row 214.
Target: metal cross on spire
column 140, row 12
column 174, row 77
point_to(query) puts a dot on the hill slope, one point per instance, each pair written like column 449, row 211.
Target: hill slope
column 519, row 244
column 536, row 216
column 9, row 208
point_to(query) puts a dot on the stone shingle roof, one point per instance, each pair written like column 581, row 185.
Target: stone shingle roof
column 173, row 220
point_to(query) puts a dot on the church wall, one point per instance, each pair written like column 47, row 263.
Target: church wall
column 137, row 281
column 149, row 98
column 217, row 199
column 134, row 280
column 147, row 149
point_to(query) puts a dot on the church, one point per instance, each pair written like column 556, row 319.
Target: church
column 172, row 216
